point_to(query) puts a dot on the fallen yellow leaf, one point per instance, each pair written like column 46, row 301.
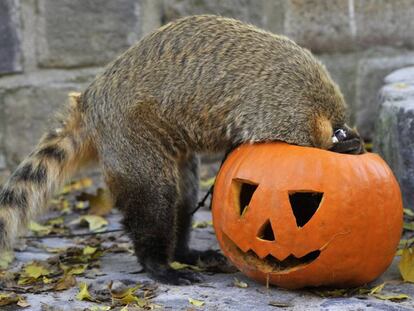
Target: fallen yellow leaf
column 56, row 221
column 81, row 205
column 101, row 308
column 406, row 242
column 35, row 270
column 406, row 265
column 84, row 293
column 409, row 226
column 202, row 224
column 400, row 85
column 195, row 302
column 7, row 299
column 377, row 289
column 392, row 297
column 6, row 258
column 126, row 296
column 77, row 185
column 39, row 229
column 240, row 284
column 205, row 184
column 96, row 223
column 89, row 250
column 408, row 212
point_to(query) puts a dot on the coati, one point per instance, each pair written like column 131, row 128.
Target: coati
column 199, row 84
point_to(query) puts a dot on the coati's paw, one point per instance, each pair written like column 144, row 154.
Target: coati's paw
column 351, row 146
column 168, row 275
column 347, row 140
column 209, row 260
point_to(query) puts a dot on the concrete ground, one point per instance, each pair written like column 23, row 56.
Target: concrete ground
column 219, row 291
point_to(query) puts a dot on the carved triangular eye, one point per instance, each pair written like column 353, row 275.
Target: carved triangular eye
column 304, row 205
column 243, row 192
column 266, row 232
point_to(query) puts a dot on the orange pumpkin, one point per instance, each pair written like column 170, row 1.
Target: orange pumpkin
column 297, row 216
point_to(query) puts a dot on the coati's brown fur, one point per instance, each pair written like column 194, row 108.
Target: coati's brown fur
column 200, row 84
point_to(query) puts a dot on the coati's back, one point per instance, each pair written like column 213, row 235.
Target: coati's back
column 218, row 82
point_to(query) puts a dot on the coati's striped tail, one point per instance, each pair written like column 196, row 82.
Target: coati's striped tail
column 57, row 156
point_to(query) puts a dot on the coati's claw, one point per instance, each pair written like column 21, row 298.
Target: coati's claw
column 204, row 258
column 209, row 260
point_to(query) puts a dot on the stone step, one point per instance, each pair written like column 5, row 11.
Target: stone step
column 394, row 138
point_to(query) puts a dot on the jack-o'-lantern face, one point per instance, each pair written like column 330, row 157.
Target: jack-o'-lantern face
column 296, row 216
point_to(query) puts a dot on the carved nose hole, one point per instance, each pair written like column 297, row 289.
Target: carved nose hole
column 266, row 232
column 304, row 205
column 243, row 191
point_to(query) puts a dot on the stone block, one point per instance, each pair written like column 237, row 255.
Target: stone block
column 400, row 76
column 384, row 22
column 370, row 77
column 10, row 45
column 75, row 33
column 321, row 26
column 262, row 13
column 150, row 15
column 27, row 114
column 394, row 136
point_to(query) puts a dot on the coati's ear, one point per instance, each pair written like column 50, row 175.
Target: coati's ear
column 74, row 99
column 347, row 140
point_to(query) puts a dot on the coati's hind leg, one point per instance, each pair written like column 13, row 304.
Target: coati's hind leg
column 144, row 183
column 187, row 203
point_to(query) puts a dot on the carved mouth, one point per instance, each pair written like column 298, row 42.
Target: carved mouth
column 288, row 263
column 271, row 263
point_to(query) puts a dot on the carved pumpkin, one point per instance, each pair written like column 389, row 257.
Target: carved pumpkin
column 296, row 216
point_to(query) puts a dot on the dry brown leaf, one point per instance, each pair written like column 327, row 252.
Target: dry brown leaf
column 67, row 281
column 23, row 303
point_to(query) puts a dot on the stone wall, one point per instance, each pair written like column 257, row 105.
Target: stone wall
column 50, row 47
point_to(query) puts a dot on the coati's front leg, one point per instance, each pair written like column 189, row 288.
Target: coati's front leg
column 145, row 190
column 189, row 181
